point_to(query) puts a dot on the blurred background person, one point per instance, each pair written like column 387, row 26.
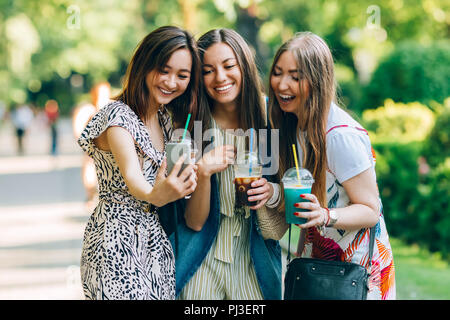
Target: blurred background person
column 100, row 95
column 21, row 118
column 52, row 114
column 2, row 112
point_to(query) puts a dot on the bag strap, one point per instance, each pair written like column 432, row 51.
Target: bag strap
column 371, row 246
column 289, row 245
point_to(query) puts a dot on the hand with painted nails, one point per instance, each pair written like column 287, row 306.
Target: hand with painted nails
column 316, row 216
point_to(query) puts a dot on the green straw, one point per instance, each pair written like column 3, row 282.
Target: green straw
column 186, row 126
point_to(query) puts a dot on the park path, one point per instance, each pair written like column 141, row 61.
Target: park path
column 42, row 216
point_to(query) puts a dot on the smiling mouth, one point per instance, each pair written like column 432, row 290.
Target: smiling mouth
column 223, row 89
column 165, row 92
column 286, row 98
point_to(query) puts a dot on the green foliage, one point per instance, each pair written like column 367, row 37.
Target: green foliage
column 434, row 209
column 398, row 180
column 50, row 41
column 437, row 146
column 413, row 169
column 47, row 42
column 415, row 194
column 412, row 72
column 398, row 122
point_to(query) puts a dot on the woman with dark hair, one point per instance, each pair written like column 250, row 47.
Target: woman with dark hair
column 222, row 253
column 344, row 201
column 126, row 253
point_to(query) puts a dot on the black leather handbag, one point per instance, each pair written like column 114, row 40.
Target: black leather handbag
column 314, row 279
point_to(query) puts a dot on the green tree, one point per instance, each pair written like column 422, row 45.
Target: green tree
column 412, row 72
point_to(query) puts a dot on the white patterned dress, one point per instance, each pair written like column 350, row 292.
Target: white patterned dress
column 126, row 253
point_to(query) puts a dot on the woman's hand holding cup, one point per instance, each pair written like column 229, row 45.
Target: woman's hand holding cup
column 261, row 191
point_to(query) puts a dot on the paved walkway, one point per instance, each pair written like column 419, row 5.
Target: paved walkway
column 42, row 216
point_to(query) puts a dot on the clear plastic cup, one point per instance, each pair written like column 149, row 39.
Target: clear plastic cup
column 175, row 148
column 293, row 188
column 246, row 170
column 193, row 157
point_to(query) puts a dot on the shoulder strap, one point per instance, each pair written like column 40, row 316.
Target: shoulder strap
column 289, row 245
column 347, row 126
column 371, row 245
column 357, row 128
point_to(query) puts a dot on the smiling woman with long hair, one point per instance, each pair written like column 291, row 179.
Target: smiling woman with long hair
column 126, row 253
column 337, row 150
column 221, row 251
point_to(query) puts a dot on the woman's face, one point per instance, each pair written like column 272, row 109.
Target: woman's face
column 172, row 81
column 285, row 82
column 221, row 73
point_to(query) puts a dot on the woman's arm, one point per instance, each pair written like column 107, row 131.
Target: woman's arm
column 363, row 212
column 198, row 206
column 165, row 190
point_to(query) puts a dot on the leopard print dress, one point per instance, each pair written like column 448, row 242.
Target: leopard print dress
column 126, row 253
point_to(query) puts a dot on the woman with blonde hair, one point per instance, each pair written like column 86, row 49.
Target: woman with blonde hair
column 336, row 149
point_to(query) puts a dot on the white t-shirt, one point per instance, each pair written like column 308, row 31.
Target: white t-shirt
column 349, row 153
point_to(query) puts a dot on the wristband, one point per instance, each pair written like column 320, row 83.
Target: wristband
column 328, row 217
column 276, row 197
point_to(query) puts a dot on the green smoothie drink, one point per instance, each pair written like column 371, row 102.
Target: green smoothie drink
column 293, row 188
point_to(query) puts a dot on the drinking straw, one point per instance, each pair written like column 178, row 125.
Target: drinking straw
column 186, row 126
column 251, row 149
column 296, row 163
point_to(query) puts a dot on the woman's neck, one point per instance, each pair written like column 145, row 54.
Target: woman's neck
column 152, row 113
column 226, row 115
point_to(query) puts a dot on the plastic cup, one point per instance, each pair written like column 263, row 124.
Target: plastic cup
column 192, row 159
column 246, row 170
column 292, row 191
column 175, row 148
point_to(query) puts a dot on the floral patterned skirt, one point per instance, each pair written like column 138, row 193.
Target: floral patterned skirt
column 340, row 245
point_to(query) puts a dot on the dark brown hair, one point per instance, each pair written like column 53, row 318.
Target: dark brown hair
column 250, row 104
column 152, row 53
column 315, row 66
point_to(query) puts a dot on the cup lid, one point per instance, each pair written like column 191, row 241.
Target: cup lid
column 180, row 139
column 247, row 158
column 306, row 177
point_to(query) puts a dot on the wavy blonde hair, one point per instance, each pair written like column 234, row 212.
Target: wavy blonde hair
column 315, row 67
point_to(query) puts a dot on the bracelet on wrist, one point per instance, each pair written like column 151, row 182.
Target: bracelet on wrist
column 327, row 217
column 276, row 196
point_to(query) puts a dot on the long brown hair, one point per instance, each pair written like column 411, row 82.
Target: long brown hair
column 315, row 66
column 152, row 53
column 250, row 104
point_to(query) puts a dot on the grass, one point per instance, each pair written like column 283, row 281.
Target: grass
column 420, row 275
